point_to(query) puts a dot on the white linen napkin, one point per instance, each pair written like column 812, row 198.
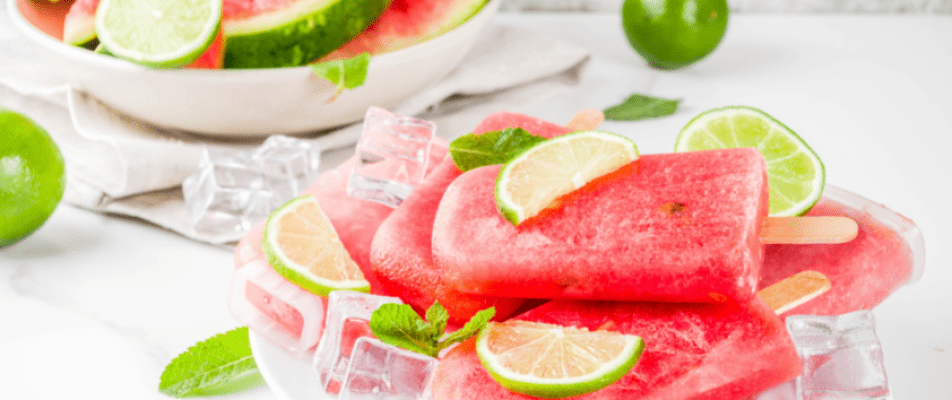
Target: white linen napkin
column 119, row 165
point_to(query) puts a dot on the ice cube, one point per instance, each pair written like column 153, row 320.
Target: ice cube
column 842, row 357
column 276, row 309
column 381, row 371
column 348, row 314
column 289, row 166
column 392, row 155
column 228, row 193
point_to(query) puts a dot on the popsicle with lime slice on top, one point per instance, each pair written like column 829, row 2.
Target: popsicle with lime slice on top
column 585, row 216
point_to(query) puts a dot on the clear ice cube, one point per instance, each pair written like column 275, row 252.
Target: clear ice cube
column 380, row 371
column 289, row 165
column 228, row 193
column 348, row 314
column 276, row 309
column 233, row 190
column 842, row 357
column 392, row 155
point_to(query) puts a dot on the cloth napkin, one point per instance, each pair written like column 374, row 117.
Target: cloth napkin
column 119, row 165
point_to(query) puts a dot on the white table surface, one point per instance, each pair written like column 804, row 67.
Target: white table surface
column 94, row 306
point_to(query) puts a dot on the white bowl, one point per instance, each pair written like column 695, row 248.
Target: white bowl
column 253, row 102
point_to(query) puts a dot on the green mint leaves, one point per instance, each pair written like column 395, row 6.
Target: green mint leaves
column 639, row 106
column 221, row 364
column 345, row 74
column 398, row 325
column 497, row 147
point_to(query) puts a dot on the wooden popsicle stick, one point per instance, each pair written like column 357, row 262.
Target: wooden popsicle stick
column 804, row 230
column 794, row 291
column 586, row 120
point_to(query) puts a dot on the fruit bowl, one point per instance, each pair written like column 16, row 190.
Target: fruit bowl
column 246, row 102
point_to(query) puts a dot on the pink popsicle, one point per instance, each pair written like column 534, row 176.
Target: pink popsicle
column 863, row 272
column 685, row 228
column 401, row 256
column 693, row 351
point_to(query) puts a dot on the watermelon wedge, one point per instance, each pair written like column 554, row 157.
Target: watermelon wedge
column 78, row 29
column 408, row 22
column 286, row 33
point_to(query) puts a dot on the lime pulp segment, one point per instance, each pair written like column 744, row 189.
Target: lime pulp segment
column 795, row 173
column 158, row 33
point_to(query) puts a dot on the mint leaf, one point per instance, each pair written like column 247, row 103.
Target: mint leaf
column 437, row 317
column 496, row 147
column 639, row 106
column 345, row 74
column 471, row 328
column 221, row 364
column 398, row 325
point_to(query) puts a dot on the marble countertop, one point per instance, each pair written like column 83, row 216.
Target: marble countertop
column 94, row 306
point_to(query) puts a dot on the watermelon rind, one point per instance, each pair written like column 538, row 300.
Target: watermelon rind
column 298, row 34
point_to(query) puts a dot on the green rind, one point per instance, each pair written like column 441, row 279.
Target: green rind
column 559, row 390
column 21, row 214
column 300, row 39
column 295, row 277
column 680, row 145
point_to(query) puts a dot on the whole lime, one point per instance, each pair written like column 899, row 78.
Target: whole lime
column 672, row 34
column 32, row 176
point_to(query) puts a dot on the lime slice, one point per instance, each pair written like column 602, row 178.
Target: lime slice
column 158, row 33
column 553, row 361
column 536, row 178
column 301, row 245
column 794, row 172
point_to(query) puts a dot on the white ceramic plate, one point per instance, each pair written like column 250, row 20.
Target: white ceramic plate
column 287, row 375
column 253, row 102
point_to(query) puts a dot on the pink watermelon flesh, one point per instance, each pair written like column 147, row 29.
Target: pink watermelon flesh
column 863, row 272
column 78, row 25
column 693, row 351
column 401, row 255
column 355, row 220
column 289, row 317
column 238, row 9
column 408, row 22
column 685, row 229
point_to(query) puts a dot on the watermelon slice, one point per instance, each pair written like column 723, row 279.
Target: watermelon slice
column 408, row 22
column 78, row 29
column 284, row 33
column 401, row 256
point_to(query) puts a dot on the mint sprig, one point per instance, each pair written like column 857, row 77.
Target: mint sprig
column 496, row 147
column 639, row 106
column 345, row 74
column 399, row 325
column 221, row 364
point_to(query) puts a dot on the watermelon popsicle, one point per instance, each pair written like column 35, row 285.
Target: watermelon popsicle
column 693, row 351
column 401, row 254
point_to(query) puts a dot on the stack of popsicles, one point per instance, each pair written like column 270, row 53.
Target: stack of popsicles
column 673, row 253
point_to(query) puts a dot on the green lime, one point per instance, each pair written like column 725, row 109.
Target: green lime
column 554, row 361
column 537, row 177
column 794, row 172
column 32, row 177
column 672, row 34
column 302, row 245
column 158, row 33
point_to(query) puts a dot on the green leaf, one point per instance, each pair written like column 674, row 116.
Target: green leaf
column 437, row 317
column 496, row 147
column 345, row 74
column 639, row 106
column 471, row 328
column 221, row 364
column 399, row 325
